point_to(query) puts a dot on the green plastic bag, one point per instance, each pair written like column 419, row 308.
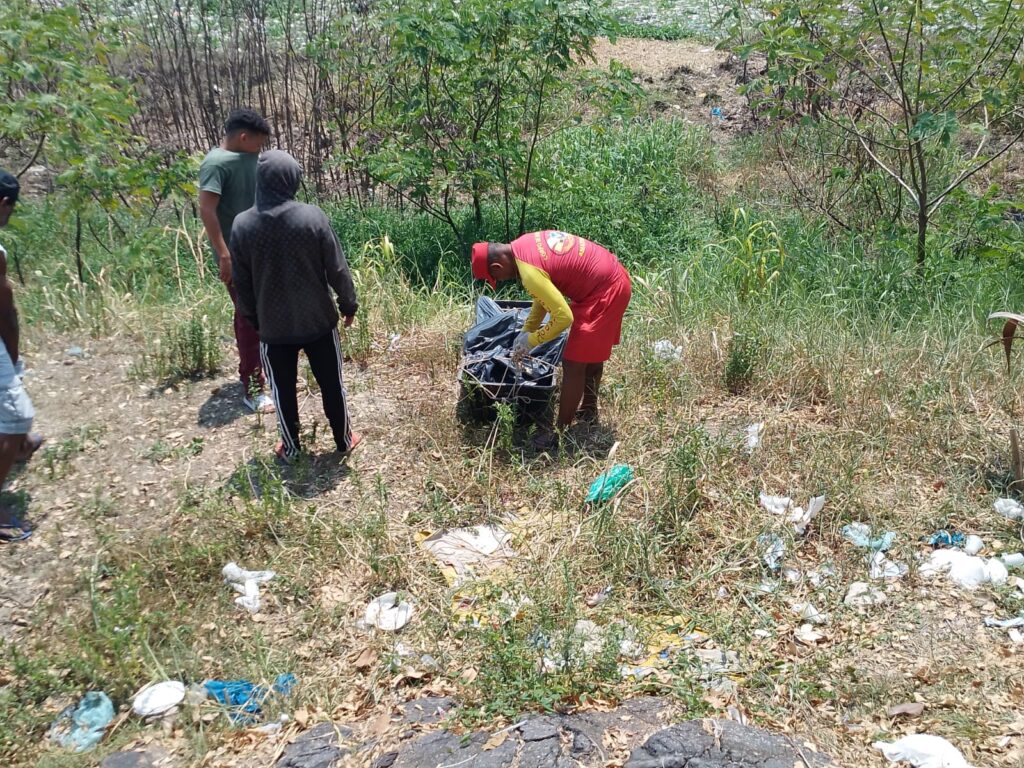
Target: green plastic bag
column 609, row 483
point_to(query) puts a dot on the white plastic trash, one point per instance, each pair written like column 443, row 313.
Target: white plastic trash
column 666, row 351
column 1014, row 560
column 754, row 432
column 246, row 583
column 159, row 698
column 861, row 594
column 881, row 567
column 387, row 613
column 965, row 570
column 1009, row 508
column 973, row 544
column 923, row 750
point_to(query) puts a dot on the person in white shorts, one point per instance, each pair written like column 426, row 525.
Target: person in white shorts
column 17, row 442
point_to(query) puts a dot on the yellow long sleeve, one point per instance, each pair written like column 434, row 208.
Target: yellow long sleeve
column 546, row 300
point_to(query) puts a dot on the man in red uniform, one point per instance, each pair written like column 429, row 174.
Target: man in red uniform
column 555, row 266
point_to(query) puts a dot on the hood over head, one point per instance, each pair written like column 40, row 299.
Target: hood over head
column 277, row 179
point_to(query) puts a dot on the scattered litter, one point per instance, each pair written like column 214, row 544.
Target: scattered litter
column 1015, row 560
column 609, row 483
column 82, row 727
column 944, row 538
column 387, row 613
column 1015, row 636
column 910, row 709
column 159, row 699
column 75, row 352
column 775, row 550
column 754, row 432
column 717, row 112
column 800, row 518
column 393, row 340
column 861, row 594
column 966, row 570
column 859, row 534
column 767, row 587
column 881, row 567
column 599, row 597
column 246, row 583
column 635, row 671
column 1009, row 508
column 923, row 750
column 722, row 593
column 807, row 612
column 818, row 575
column 973, row 545
column 465, row 553
column 1005, row 623
column 244, row 699
column 666, row 351
column 792, row 575
column 808, row 635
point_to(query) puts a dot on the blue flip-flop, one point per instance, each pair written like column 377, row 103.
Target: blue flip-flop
column 24, row 530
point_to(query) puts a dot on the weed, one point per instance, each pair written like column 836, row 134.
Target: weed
column 743, row 356
column 161, row 451
column 57, row 457
column 187, row 351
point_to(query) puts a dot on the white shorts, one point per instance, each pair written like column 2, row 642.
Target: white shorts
column 16, row 411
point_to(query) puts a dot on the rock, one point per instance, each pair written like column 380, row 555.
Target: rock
column 444, row 748
column 539, row 728
column 149, row 758
column 385, row 761
column 427, row 711
column 319, row 747
column 722, row 744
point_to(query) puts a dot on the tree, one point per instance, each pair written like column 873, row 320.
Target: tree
column 928, row 91
column 468, row 89
column 65, row 108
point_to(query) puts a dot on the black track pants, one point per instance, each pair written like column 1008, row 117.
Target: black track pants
column 281, row 365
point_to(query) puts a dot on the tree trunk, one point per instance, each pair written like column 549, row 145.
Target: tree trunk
column 922, row 233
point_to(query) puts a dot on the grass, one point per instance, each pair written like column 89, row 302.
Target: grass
column 868, row 378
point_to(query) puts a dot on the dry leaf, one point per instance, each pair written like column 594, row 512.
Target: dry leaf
column 301, row 716
column 914, row 709
column 496, row 740
column 366, row 659
column 469, row 675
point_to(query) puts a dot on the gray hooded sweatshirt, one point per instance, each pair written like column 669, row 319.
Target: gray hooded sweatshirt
column 284, row 259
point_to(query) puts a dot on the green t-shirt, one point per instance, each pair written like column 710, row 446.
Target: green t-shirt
column 232, row 175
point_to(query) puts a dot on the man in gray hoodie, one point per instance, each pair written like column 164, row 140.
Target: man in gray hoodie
column 285, row 259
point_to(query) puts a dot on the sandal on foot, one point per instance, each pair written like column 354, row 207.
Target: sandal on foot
column 353, row 442
column 283, row 455
column 15, row 530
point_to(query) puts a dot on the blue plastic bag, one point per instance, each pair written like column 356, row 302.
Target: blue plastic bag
column 609, row 483
column 246, row 699
column 83, row 727
column 944, row 538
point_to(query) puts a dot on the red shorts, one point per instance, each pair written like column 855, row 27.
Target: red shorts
column 597, row 322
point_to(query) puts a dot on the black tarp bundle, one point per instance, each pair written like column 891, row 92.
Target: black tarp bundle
column 489, row 375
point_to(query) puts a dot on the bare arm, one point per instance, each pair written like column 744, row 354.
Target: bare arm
column 208, row 202
column 10, row 331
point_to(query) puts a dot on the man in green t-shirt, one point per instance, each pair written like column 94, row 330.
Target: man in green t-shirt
column 227, row 186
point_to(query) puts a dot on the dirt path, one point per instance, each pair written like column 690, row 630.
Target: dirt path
column 119, row 455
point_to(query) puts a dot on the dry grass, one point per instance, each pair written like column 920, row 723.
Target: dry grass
column 902, row 429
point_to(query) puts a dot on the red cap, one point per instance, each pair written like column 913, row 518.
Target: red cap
column 480, row 271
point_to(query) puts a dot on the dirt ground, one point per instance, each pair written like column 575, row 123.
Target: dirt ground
column 687, row 78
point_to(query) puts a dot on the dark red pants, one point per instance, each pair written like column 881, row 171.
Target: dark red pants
column 250, row 369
